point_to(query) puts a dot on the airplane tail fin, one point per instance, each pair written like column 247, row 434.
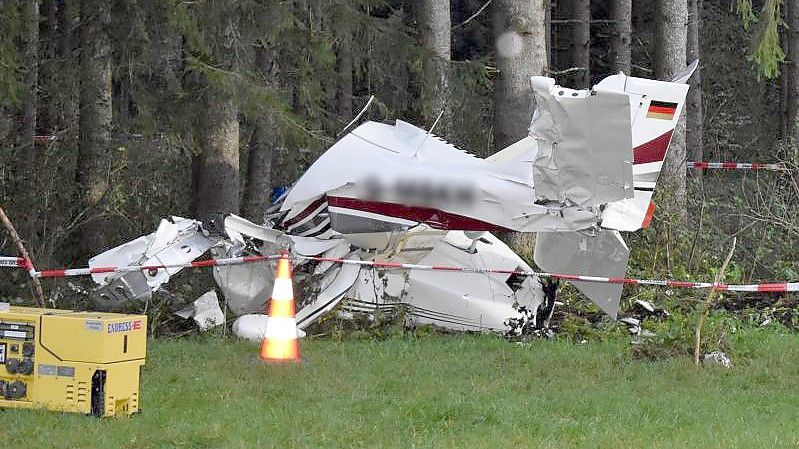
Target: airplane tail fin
column 655, row 112
column 655, row 108
column 604, row 254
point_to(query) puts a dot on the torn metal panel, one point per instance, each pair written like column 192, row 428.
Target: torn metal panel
column 309, row 246
column 334, row 285
column 584, row 145
column 457, row 300
column 121, row 289
column 205, row 311
column 603, row 254
column 685, row 74
column 130, row 253
column 337, row 252
column 239, row 225
column 246, row 288
column 628, row 214
column 176, row 241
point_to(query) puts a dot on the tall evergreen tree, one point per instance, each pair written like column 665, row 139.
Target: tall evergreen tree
column 670, row 57
column 26, row 150
column 579, row 17
column 435, row 23
column 94, row 157
column 694, row 117
column 792, row 71
column 520, row 46
column 343, row 32
column 620, row 36
column 264, row 141
column 216, row 174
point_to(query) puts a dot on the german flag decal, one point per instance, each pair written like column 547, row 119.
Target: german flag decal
column 661, row 110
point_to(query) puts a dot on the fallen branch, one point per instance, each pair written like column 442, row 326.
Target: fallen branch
column 38, row 293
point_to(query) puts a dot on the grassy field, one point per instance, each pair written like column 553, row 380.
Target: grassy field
column 442, row 391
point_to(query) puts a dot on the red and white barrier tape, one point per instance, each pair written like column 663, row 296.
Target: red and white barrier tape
column 705, row 165
column 69, row 272
column 18, row 262
column 43, row 139
column 14, row 262
column 770, row 287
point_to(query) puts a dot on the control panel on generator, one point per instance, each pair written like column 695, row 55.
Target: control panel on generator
column 84, row 362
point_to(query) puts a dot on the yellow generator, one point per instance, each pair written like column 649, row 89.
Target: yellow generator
column 84, row 362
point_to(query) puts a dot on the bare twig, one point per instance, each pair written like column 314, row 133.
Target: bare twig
column 583, row 21
column 38, row 293
column 642, row 68
column 709, row 303
column 479, row 11
column 569, row 71
column 698, row 233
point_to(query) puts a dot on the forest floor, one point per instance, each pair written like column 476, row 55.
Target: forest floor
column 443, row 391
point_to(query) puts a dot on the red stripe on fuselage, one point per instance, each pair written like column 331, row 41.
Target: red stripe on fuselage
column 652, row 151
column 305, row 212
column 434, row 218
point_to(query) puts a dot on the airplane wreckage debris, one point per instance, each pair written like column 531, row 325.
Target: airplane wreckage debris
column 398, row 193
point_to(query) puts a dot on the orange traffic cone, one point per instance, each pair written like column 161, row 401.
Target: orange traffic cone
column 281, row 342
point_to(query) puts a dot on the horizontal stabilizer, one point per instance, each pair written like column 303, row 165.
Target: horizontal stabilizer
column 604, row 254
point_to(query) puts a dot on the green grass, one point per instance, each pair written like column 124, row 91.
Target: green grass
column 442, row 391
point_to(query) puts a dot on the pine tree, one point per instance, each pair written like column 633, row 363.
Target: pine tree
column 695, row 139
column 435, row 25
column 670, row 58
column 520, row 42
column 619, row 54
column 94, row 157
column 792, row 72
column 579, row 19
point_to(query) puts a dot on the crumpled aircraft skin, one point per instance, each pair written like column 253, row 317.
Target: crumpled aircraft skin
column 398, row 193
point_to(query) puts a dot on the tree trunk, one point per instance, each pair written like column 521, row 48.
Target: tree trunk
column 520, row 42
column 263, row 144
column 26, row 150
column 216, row 170
column 218, row 178
column 94, row 155
column 619, row 55
column 670, row 58
column 694, row 101
column 435, row 25
column 343, row 29
column 49, row 110
column 792, row 72
column 65, row 108
column 548, row 5
column 580, row 43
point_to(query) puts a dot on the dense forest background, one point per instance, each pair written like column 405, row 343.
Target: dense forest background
column 114, row 113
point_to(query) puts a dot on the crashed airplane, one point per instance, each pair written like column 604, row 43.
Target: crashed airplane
column 398, row 193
